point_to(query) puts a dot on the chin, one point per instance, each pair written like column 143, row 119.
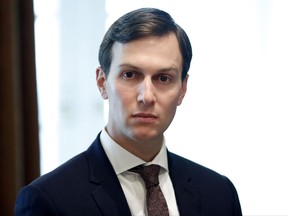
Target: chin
column 145, row 135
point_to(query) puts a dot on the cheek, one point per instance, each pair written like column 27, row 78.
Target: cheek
column 170, row 103
column 119, row 97
column 173, row 98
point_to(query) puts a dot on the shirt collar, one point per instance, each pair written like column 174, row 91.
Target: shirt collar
column 122, row 160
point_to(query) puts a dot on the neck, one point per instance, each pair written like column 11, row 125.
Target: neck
column 145, row 151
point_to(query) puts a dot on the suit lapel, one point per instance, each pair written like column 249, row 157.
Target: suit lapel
column 186, row 195
column 108, row 193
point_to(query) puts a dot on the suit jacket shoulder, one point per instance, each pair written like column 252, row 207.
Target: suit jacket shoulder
column 201, row 190
column 84, row 185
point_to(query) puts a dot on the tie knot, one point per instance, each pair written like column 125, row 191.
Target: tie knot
column 149, row 174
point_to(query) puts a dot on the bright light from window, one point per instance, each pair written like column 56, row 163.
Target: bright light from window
column 47, row 44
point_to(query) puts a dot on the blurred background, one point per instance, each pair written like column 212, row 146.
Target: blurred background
column 234, row 117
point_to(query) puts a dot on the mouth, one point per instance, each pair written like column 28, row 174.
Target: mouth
column 145, row 117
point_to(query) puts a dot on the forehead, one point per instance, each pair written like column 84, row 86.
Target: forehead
column 151, row 51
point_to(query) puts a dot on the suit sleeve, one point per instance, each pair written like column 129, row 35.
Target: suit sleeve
column 32, row 201
column 236, row 203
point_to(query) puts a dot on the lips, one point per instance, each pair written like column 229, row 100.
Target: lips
column 145, row 117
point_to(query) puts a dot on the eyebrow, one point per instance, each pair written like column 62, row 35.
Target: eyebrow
column 128, row 65
column 163, row 70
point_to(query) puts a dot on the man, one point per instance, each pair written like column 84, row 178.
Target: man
column 144, row 59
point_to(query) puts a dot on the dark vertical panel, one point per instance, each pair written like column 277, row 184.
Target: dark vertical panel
column 19, row 157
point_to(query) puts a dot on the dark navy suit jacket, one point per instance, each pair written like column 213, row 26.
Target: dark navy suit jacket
column 87, row 185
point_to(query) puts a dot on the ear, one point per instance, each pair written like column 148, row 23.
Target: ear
column 101, row 82
column 183, row 90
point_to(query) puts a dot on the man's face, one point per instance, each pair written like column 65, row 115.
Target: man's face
column 143, row 87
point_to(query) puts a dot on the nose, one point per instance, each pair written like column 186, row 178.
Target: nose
column 146, row 94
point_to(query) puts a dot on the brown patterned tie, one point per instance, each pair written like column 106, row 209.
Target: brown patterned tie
column 156, row 203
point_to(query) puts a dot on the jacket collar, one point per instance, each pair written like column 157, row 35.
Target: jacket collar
column 106, row 182
column 186, row 194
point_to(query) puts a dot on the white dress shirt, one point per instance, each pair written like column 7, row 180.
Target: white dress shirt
column 132, row 183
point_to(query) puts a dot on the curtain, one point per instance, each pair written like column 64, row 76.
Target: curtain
column 19, row 149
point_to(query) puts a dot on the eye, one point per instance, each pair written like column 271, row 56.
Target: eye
column 128, row 75
column 164, row 78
